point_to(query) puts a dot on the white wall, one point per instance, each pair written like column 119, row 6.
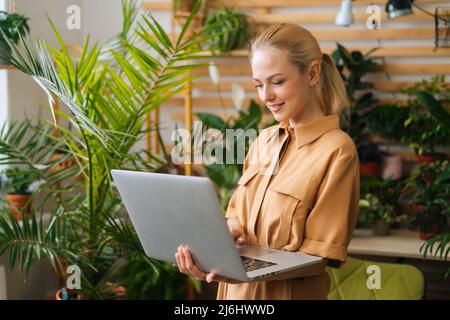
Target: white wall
column 101, row 19
column 24, row 95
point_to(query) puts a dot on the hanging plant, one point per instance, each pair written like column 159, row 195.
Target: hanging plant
column 12, row 27
column 231, row 29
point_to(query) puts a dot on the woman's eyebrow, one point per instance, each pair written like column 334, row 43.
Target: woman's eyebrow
column 274, row 75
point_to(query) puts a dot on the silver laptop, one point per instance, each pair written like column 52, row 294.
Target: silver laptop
column 170, row 210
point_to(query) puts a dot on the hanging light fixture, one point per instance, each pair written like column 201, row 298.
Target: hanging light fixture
column 345, row 16
column 399, row 8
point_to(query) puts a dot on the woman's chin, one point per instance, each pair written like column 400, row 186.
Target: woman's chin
column 278, row 116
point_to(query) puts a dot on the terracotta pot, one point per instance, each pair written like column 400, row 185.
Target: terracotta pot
column 428, row 235
column 369, row 169
column 392, row 167
column 64, row 294
column 428, row 158
column 381, row 228
column 18, row 203
column 119, row 291
column 61, row 165
column 417, row 207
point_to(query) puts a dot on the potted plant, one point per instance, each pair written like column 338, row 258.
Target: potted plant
column 378, row 215
column 19, row 192
column 228, row 29
column 353, row 66
column 12, row 27
column 428, row 124
column 429, row 221
column 424, row 135
column 428, row 185
column 106, row 95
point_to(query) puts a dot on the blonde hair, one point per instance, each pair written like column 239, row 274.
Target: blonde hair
column 303, row 50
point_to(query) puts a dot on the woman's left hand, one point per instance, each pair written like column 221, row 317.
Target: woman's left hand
column 187, row 266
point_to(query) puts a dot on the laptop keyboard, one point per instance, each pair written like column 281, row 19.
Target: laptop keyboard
column 251, row 264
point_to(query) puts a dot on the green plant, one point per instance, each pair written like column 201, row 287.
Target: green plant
column 353, row 66
column 428, row 124
column 388, row 191
column 429, row 219
column 226, row 173
column 141, row 281
column 428, row 184
column 233, row 31
column 440, row 245
column 387, row 121
column 372, row 209
column 423, row 133
column 12, row 27
column 108, row 91
column 19, row 181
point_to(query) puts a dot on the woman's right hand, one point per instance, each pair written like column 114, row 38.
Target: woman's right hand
column 237, row 230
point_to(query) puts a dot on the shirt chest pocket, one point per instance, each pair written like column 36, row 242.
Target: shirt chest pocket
column 286, row 202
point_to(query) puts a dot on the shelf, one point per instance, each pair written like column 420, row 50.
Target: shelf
column 399, row 243
column 6, row 67
column 251, row 4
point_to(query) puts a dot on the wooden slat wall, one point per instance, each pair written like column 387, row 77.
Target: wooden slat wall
column 398, row 40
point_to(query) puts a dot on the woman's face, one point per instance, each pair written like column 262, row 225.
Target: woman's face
column 282, row 88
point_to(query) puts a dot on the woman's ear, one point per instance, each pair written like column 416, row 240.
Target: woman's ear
column 314, row 73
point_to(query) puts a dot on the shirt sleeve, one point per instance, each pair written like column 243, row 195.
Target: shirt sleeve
column 332, row 219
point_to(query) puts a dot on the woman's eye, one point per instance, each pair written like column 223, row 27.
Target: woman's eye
column 278, row 82
column 258, row 86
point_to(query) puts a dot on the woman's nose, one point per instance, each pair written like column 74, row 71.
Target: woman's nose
column 267, row 94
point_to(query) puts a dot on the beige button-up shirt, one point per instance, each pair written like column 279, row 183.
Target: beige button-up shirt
column 299, row 191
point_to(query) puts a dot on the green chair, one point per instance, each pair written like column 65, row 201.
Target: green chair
column 355, row 280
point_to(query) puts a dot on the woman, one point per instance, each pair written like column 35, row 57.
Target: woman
column 307, row 199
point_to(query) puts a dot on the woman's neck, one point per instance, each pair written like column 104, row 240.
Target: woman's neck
column 312, row 114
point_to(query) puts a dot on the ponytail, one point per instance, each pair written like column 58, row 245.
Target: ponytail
column 331, row 89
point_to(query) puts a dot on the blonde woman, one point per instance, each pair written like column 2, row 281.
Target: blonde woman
column 309, row 202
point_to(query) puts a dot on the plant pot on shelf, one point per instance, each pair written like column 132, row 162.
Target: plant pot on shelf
column 18, row 203
column 369, row 169
column 428, row 158
column 392, row 167
column 63, row 164
column 381, row 228
column 428, row 235
column 417, row 207
column 65, row 294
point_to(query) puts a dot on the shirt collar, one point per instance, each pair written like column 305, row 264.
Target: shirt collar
column 309, row 132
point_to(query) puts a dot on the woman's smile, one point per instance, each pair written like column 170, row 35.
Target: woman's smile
column 275, row 107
